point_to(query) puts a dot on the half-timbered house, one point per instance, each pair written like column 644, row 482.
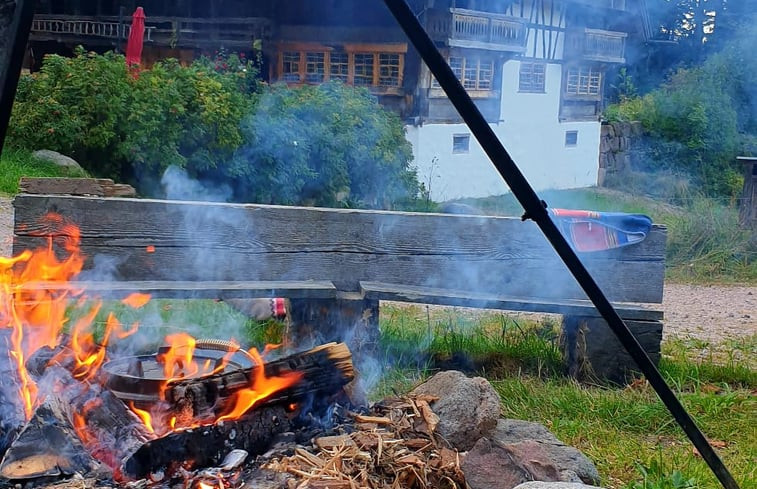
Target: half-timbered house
column 537, row 69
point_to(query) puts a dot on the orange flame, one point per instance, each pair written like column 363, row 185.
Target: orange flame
column 34, row 296
column 261, row 387
column 144, row 416
column 136, row 300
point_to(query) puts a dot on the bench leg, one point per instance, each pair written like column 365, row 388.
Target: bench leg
column 317, row 321
column 592, row 351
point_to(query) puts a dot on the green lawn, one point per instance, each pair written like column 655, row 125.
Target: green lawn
column 16, row 163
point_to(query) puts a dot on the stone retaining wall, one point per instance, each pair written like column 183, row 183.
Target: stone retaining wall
column 616, row 143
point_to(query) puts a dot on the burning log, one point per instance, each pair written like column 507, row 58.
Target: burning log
column 71, row 429
column 48, row 446
column 325, row 370
column 208, row 445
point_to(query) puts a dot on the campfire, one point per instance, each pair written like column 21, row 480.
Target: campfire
column 207, row 413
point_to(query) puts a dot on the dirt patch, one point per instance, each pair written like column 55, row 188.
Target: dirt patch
column 711, row 313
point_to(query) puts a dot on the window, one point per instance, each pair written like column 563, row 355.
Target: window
column 339, row 69
column 389, row 70
column 583, row 80
column 571, row 138
column 473, row 73
column 531, row 77
column 460, row 143
column 291, row 66
column 315, row 67
column 363, row 69
column 379, row 69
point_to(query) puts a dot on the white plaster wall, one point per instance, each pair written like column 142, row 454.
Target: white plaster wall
column 531, row 133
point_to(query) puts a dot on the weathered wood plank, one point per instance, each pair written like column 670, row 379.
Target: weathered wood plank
column 447, row 297
column 101, row 187
column 196, row 290
column 210, row 242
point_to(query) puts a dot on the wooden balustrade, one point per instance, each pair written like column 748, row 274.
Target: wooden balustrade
column 476, row 29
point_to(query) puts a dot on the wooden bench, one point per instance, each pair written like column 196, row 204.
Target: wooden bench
column 337, row 264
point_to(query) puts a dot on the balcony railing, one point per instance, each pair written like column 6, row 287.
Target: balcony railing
column 165, row 31
column 87, row 28
column 474, row 29
column 597, row 45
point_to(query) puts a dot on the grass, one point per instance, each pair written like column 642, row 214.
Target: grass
column 16, row 163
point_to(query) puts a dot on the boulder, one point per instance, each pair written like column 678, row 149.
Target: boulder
column 533, row 440
column 468, row 408
column 554, row 485
column 58, row 159
column 490, row 465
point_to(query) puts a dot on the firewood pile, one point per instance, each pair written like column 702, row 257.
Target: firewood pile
column 394, row 447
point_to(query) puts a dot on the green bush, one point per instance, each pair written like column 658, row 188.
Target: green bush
column 699, row 121
column 325, row 145
column 120, row 124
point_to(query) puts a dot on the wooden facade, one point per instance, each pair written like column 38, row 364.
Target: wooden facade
column 359, row 43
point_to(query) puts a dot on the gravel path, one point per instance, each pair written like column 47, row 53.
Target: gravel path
column 710, row 313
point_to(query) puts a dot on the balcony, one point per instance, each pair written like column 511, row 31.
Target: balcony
column 161, row 31
column 596, row 45
column 608, row 4
column 473, row 29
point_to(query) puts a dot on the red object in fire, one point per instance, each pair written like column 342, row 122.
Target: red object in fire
column 136, row 36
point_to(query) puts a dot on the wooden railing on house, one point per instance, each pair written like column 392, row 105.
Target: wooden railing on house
column 596, row 45
column 475, row 29
column 166, row 31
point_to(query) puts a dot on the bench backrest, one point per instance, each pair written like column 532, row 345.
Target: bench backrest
column 200, row 241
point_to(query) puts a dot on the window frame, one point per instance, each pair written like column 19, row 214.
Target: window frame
column 461, row 136
column 532, row 74
column 585, row 86
column 462, row 67
column 384, row 58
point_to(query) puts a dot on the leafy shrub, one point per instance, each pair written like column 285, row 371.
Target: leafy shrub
column 326, row 145
column 119, row 124
column 698, row 121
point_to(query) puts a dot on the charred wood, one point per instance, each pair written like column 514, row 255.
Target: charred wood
column 48, row 446
column 208, row 445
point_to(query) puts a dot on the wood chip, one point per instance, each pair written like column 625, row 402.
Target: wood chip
column 380, row 420
column 328, row 484
column 430, row 417
column 329, row 442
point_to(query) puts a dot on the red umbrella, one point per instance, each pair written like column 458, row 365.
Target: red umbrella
column 136, row 35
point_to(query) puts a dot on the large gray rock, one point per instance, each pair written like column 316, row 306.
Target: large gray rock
column 537, row 441
column 490, row 465
column 554, row 485
column 62, row 161
column 468, row 408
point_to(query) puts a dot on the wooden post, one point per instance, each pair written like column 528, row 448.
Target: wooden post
column 351, row 320
column 748, row 207
column 592, row 351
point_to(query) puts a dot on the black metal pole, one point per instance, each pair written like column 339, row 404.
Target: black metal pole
column 15, row 24
column 537, row 211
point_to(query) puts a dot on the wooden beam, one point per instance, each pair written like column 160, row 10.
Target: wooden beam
column 199, row 241
column 461, row 298
column 195, row 290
